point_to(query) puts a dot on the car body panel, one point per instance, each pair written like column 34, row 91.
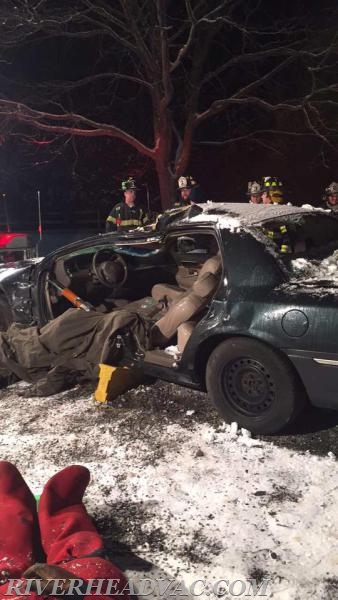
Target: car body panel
column 256, row 298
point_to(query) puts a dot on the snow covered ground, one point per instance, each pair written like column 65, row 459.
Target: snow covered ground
column 178, row 494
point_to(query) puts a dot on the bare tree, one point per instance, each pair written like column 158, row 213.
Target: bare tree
column 154, row 73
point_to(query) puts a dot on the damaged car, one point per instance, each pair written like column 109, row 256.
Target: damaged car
column 248, row 303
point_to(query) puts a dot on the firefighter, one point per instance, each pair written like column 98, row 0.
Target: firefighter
column 272, row 190
column 73, row 548
column 331, row 197
column 280, row 236
column 190, row 192
column 127, row 214
column 254, row 192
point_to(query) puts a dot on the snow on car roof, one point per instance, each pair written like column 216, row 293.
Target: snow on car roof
column 230, row 215
column 224, row 221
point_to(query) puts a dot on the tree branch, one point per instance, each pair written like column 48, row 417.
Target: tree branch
column 89, row 128
column 71, row 85
column 219, row 106
column 140, row 45
column 186, row 46
column 164, row 54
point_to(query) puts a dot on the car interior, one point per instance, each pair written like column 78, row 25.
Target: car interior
column 169, row 283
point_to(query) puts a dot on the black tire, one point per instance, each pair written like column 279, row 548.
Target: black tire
column 6, row 316
column 255, row 386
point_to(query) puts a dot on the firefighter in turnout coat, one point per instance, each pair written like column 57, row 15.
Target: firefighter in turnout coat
column 127, row 214
column 190, row 192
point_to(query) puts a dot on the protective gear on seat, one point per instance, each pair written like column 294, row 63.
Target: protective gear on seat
column 17, row 521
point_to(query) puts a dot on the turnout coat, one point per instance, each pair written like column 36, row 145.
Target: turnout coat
column 75, row 341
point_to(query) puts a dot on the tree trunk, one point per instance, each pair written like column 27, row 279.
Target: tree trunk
column 166, row 182
column 163, row 146
column 183, row 158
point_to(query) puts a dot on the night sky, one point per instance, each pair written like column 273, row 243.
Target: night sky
column 79, row 178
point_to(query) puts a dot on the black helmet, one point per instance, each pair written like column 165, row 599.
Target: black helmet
column 274, row 187
column 269, row 183
column 128, row 184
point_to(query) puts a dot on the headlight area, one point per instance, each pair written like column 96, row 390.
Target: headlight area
column 18, row 292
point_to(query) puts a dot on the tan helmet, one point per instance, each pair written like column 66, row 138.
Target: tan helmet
column 186, row 182
column 254, row 188
column 332, row 189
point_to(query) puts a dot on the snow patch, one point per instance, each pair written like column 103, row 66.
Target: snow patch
column 187, row 497
column 316, row 270
column 223, row 221
column 173, row 351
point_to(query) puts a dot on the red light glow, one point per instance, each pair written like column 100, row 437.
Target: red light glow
column 6, row 238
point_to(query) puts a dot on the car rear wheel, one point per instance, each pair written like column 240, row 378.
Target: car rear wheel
column 252, row 384
column 6, row 317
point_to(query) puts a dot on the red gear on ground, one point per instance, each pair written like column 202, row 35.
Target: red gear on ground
column 69, row 537
column 17, row 521
column 67, row 533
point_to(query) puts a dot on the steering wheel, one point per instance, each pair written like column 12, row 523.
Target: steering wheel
column 109, row 268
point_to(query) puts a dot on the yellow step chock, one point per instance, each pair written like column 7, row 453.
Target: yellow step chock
column 114, row 381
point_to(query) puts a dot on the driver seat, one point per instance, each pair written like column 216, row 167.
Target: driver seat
column 188, row 304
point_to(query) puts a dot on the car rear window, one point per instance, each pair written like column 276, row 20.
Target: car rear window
column 310, row 236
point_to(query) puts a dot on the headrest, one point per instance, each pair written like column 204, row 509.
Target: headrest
column 212, row 265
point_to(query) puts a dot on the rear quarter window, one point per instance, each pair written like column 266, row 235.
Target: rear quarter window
column 312, row 237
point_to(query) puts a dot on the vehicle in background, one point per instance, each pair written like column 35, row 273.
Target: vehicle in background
column 16, row 247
